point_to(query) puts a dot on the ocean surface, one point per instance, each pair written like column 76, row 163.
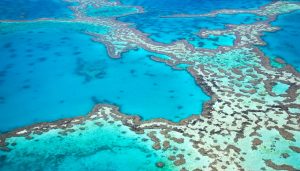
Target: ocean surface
column 33, row 9
column 167, row 30
column 55, row 71
column 284, row 43
column 50, row 73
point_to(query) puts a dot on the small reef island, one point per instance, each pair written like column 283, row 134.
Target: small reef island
column 173, row 85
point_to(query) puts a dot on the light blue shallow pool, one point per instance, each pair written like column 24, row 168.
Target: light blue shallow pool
column 50, row 74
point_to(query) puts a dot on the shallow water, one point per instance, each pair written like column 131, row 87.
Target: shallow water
column 280, row 88
column 46, row 74
column 107, row 147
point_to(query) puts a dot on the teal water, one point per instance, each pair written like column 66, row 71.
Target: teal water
column 280, row 88
column 46, row 74
column 106, row 148
column 284, row 43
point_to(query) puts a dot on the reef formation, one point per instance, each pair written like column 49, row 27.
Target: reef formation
column 249, row 123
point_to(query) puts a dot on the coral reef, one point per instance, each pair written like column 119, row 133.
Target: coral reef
column 245, row 125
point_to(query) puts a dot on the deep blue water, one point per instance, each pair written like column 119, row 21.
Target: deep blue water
column 167, row 30
column 285, row 42
column 165, row 7
column 27, row 9
column 46, row 74
column 114, row 11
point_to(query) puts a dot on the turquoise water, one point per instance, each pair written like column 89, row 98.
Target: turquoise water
column 51, row 71
column 284, row 43
column 106, row 148
column 280, row 88
column 47, row 75
column 26, row 9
